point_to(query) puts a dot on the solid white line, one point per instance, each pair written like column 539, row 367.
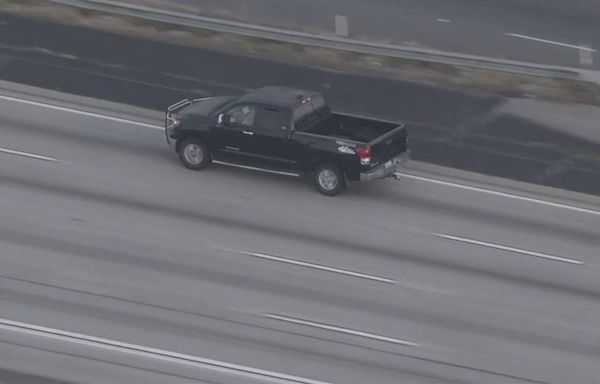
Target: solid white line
column 509, row 249
column 256, row 168
column 551, row 42
column 320, row 267
column 341, row 330
column 502, row 194
column 153, row 353
column 442, row 20
column 27, row 154
column 79, row 112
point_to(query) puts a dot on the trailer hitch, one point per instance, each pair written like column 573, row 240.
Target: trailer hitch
column 396, row 175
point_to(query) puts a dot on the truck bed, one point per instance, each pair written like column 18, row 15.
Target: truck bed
column 349, row 127
column 385, row 139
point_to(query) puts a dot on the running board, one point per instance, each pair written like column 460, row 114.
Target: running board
column 292, row 174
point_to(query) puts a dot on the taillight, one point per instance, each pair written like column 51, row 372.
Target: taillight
column 364, row 153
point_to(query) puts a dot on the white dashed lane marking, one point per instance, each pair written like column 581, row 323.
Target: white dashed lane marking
column 27, row 154
column 508, row 249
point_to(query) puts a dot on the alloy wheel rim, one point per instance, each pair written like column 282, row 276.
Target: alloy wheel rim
column 193, row 154
column 328, row 180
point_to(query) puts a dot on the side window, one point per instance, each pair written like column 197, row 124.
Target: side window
column 244, row 114
column 273, row 120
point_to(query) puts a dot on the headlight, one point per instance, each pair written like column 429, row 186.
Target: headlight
column 173, row 124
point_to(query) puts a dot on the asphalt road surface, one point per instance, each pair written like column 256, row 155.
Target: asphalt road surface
column 119, row 265
column 556, row 32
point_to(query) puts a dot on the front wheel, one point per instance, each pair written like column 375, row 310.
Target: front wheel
column 329, row 179
column 194, row 154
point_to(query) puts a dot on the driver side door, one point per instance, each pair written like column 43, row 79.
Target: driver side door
column 234, row 133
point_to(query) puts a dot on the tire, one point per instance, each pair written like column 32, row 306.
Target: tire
column 194, row 154
column 329, row 179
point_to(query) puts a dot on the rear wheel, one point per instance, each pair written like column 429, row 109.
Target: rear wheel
column 194, row 154
column 329, row 179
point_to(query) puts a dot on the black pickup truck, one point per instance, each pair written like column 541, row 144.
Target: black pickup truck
column 288, row 131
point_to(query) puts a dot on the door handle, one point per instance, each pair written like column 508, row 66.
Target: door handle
column 248, row 133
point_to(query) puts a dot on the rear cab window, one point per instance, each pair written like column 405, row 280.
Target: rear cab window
column 271, row 119
column 309, row 111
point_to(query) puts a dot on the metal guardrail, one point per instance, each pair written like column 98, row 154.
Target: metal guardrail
column 331, row 42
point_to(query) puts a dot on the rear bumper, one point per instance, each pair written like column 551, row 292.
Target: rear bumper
column 386, row 169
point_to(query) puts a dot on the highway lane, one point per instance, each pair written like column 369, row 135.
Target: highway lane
column 115, row 239
column 559, row 32
column 69, row 367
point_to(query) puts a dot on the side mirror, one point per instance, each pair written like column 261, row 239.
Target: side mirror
column 226, row 120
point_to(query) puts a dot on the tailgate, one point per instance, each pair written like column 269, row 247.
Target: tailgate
column 388, row 146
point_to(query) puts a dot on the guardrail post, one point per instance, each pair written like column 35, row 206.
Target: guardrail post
column 341, row 26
